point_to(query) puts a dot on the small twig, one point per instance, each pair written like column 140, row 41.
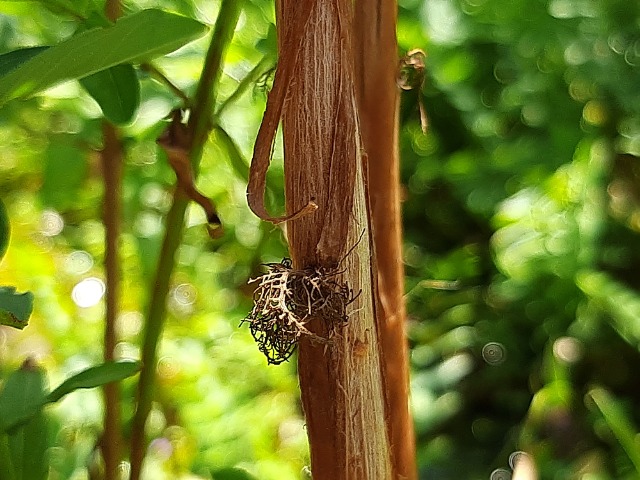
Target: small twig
column 162, row 78
column 250, row 79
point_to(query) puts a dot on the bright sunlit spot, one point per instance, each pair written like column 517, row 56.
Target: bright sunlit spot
column 88, row 292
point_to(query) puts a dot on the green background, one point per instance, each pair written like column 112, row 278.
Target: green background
column 521, row 214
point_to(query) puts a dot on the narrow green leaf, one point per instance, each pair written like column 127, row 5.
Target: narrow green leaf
column 15, row 308
column 22, row 396
column 135, row 38
column 117, row 91
column 94, row 377
column 12, row 60
column 6, row 465
column 619, row 422
column 28, row 446
column 15, row 410
column 5, row 230
column 236, row 160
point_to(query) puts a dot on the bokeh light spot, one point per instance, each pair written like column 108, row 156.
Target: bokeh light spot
column 567, row 349
column 88, row 292
column 515, row 457
column 51, row 223
column 124, row 470
column 500, row 474
column 185, row 294
column 494, row 353
column 594, row 113
column 78, row 262
column 129, row 323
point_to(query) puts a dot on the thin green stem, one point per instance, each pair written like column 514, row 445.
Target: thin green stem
column 199, row 125
column 200, row 119
column 250, row 79
column 162, row 78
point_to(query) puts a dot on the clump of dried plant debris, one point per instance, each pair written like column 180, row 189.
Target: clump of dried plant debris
column 286, row 300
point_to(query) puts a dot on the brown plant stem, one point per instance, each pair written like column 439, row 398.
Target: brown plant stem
column 340, row 381
column 198, row 127
column 376, row 62
column 112, row 174
column 112, row 160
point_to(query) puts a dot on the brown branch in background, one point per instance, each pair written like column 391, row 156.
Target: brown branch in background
column 112, row 160
column 112, row 173
column 376, row 75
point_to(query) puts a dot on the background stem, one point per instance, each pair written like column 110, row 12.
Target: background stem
column 112, row 174
column 199, row 124
column 112, row 159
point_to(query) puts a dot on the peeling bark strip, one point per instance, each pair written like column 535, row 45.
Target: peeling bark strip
column 376, row 61
column 341, row 380
column 263, row 148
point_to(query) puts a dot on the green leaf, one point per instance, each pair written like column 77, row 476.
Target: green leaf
column 231, row 474
column 28, row 446
column 77, row 8
column 94, row 377
column 237, row 161
column 6, row 465
column 15, row 308
column 16, row 410
column 5, row 230
column 117, row 91
column 22, row 396
column 133, row 39
column 20, row 399
column 12, row 60
column 619, row 422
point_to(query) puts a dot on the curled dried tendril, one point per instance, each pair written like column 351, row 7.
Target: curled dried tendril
column 285, row 300
column 411, row 76
column 412, row 69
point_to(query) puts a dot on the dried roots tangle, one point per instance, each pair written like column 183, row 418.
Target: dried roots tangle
column 285, row 300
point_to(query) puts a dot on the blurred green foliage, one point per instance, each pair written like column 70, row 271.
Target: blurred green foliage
column 521, row 211
column 521, row 236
